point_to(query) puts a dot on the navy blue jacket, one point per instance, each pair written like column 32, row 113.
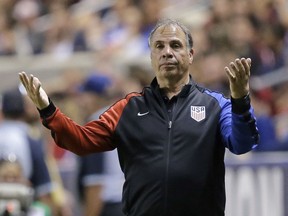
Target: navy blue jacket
column 171, row 151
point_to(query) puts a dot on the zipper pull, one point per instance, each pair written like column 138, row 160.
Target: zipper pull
column 170, row 125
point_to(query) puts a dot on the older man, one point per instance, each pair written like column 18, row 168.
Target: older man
column 171, row 138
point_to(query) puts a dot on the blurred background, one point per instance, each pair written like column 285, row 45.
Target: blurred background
column 67, row 43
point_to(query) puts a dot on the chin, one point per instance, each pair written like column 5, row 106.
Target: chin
column 171, row 74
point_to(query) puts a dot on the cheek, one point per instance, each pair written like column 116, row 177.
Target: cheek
column 187, row 58
column 184, row 59
column 154, row 60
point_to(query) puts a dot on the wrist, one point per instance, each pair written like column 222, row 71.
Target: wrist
column 239, row 95
column 241, row 105
column 48, row 110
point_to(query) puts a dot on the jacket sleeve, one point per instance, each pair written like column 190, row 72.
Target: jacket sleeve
column 95, row 136
column 238, row 125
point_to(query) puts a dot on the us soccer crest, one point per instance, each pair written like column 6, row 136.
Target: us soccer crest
column 198, row 113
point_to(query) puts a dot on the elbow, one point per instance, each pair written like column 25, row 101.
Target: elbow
column 242, row 147
column 240, row 151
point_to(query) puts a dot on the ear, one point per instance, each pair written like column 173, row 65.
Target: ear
column 191, row 54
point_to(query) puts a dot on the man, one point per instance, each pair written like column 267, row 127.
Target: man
column 16, row 139
column 170, row 138
column 16, row 193
column 100, row 178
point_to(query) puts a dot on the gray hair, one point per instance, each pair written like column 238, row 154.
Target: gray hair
column 167, row 22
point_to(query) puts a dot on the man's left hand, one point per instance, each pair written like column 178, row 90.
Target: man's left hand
column 238, row 75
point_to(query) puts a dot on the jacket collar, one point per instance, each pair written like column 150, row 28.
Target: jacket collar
column 184, row 92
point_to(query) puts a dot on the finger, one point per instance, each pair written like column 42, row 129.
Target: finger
column 230, row 75
column 38, row 89
column 235, row 70
column 240, row 65
column 247, row 65
column 233, row 67
column 31, row 83
column 37, row 84
column 23, row 79
column 241, row 73
column 249, row 61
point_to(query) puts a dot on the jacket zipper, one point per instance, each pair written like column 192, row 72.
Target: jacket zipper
column 170, row 122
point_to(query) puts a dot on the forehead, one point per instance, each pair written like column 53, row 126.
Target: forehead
column 168, row 33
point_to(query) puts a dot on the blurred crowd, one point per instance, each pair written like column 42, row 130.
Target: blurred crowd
column 117, row 30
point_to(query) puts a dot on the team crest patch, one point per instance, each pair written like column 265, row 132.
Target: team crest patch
column 198, row 113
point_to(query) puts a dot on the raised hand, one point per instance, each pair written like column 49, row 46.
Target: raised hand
column 34, row 90
column 238, row 75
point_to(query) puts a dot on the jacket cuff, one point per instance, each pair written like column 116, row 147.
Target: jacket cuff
column 47, row 111
column 241, row 105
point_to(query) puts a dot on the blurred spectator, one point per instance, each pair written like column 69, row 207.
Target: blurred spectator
column 11, row 170
column 100, row 177
column 281, row 113
column 282, row 130
column 126, row 39
column 29, row 39
column 61, row 163
column 266, row 125
column 8, row 43
column 96, row 92
column 59, row 36
column 89, row 33
column 15, row 139
column 16, row 193
column 61, row 198
column 268, row 49
column 151, row 13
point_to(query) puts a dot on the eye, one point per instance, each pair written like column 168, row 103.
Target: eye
column 176, row 45
column 159, row 46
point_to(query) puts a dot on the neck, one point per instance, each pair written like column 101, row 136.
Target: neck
column 171, row 88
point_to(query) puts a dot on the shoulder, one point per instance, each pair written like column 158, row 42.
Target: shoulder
column 217, row 96
column 128, row 98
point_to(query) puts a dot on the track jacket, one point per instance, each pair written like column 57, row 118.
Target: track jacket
column 172, row 154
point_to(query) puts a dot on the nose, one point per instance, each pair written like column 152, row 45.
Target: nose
column 167, row 52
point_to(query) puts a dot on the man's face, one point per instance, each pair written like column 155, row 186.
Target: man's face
column 170, row 56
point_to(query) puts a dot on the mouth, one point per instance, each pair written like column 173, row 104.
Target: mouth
column 168, row 64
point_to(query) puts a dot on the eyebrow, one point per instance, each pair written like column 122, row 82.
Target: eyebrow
column 173, row 41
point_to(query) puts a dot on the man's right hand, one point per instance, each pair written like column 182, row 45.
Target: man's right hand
column 34, row 90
